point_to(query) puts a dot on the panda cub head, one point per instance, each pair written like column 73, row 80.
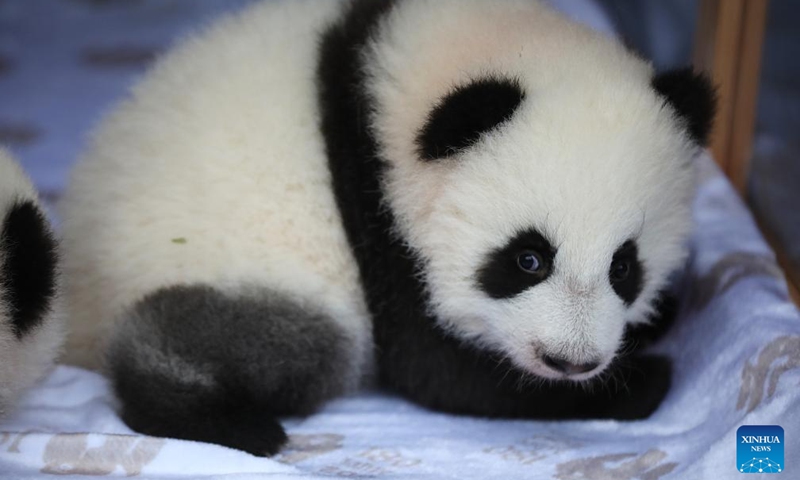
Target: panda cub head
column 30, row 331
column 544, row 182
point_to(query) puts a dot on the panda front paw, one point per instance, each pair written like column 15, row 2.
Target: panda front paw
column 256, row 433
column 262, row 436
column 645, row 381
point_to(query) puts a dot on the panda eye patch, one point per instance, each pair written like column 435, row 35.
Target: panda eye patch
column 530, row 261
column 626, row 273
column 525, row 261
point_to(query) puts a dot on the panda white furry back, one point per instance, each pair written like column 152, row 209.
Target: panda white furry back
column 483, row 193
column 31, row 324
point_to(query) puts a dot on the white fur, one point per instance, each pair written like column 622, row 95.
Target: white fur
column 22, row 362
column 219, row 146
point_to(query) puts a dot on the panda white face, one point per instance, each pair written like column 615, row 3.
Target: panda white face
column 540, row 171
column 548, row 221
column 550, row 226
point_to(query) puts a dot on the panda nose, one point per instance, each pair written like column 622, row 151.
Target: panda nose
column 568, row 368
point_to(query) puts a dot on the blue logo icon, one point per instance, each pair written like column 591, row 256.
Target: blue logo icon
column 759, row 449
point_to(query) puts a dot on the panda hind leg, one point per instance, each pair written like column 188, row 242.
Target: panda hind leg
column 195, row 363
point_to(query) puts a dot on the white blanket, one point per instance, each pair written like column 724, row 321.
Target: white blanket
column 736, row 351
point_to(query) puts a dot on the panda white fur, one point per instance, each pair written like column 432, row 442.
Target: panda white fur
column 31, row 330
column 482, row 193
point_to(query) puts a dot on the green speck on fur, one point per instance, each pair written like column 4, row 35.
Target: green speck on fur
column 179, row 241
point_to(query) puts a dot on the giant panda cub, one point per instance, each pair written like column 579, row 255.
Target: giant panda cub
column 31, row 330
column 470, row 201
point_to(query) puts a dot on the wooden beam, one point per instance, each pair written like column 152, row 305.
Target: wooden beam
column 716, row 45
column 728, row 45
column 746, row 97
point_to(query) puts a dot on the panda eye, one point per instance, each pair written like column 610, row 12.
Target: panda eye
column 529, row 261
column 620, row 270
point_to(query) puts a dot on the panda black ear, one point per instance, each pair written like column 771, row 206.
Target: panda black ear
column 28, row 267
column 693, row 97
column 466, row 113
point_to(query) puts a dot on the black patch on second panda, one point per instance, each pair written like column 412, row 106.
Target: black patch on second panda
column 28, row 272
column 629, row 288
column 465, row 114
column 501, row 277
column 693, row 97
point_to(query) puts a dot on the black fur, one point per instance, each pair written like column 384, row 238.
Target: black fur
column 630, row 287
column 28, row 273
column 638, row 337
column 693, row 97
column 415, row 357
column 466, row 113
column 500, row 275
column 191, row 362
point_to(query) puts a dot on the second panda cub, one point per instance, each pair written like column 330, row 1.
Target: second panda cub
column 467, row 197
column 31, row 320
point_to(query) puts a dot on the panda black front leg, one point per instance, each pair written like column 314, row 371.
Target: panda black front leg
column 440, row 372
column 193, row 362
column 638, row 388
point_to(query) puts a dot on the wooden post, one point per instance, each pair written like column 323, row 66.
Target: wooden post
column 728, row 45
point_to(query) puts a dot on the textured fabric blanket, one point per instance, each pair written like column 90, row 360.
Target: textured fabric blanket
column 736, row 352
